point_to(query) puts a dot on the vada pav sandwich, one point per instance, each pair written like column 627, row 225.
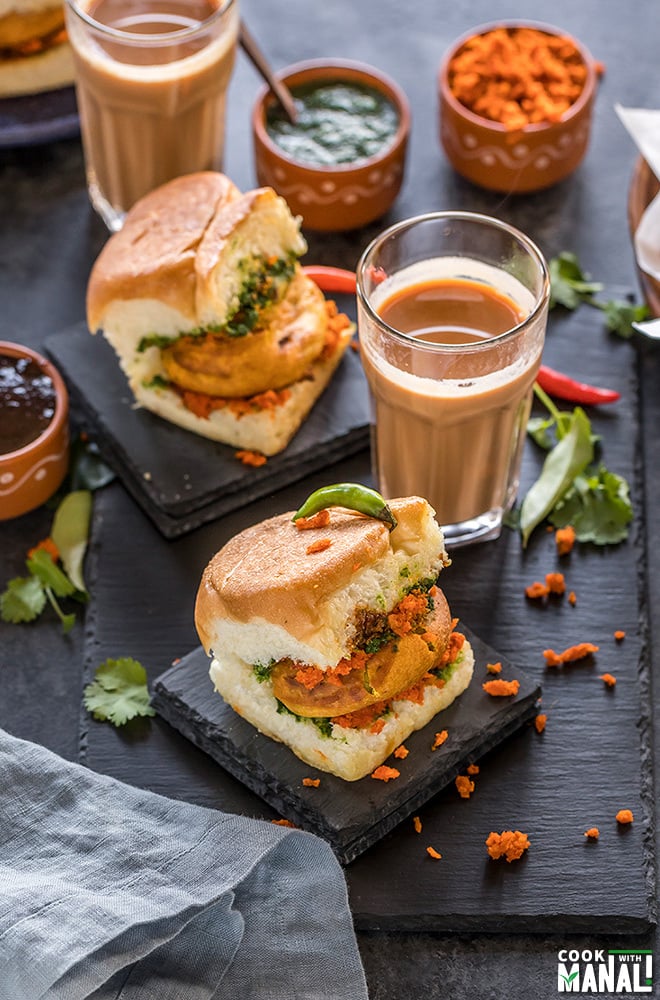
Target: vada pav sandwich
column 35, row 55
column 215, row 324
column 328, row 632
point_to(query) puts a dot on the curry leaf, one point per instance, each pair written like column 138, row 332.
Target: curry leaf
column 569, row 457
column 620, row 315
column 70, row 533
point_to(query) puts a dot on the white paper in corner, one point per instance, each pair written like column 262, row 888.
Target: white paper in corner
column 644, row 127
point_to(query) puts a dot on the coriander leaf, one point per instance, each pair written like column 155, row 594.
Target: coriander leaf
column 23, row 600
column 119, row 692
column 562, row 464
column 41, row 565
column 620, row 315
column 598, row 506
column 569, row 286
column 70, row 532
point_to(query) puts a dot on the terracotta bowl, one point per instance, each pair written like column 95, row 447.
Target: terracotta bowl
column 530, row 158
column 30, row 475
column 644, row 186
column 345, row 196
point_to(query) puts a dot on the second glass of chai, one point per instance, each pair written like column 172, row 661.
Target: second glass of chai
column 452, row 312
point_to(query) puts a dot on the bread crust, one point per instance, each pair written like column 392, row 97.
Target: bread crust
column 154, row 255
column 267, row 573
column 347, row 753
column 35, row 74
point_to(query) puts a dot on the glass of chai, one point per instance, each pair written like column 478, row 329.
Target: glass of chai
column 452, row 312
column 151, row 83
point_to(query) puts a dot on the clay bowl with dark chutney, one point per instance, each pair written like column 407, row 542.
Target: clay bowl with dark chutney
column 341, row 164
column 34, row 430
column 515, row 105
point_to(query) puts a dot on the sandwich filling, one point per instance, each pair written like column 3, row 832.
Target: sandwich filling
column 278, row 327
column 395, row 656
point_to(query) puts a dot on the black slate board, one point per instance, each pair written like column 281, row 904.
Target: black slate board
column 594, row 758
column 350, row 815
column 182, row 480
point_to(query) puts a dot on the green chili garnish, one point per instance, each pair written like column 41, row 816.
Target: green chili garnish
column 351, row 495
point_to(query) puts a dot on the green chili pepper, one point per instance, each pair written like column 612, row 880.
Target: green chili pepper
column 350, row 495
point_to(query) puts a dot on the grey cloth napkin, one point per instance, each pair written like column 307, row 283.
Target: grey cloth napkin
column 107, row 891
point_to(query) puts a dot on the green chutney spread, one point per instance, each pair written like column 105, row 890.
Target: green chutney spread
column 338, row 122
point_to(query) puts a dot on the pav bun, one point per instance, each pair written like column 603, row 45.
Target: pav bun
column 316, row 626
column 35, row 54
column 213, row 321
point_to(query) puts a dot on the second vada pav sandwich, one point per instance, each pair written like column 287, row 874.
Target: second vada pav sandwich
column 215, row 324
column 327, row 629
column 35, row 55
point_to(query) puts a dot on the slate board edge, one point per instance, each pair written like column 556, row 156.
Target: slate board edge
column 560, row 924
column 345, row 843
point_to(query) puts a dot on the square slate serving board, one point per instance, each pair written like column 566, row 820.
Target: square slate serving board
column 350, row 815
column 182, row 480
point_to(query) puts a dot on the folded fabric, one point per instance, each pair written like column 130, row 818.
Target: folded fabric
column 107, row 891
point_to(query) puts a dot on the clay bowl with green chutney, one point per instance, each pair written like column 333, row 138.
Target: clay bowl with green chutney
column 341, row 164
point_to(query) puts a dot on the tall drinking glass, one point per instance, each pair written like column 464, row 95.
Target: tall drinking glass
column 151, row 82
column 452, row 312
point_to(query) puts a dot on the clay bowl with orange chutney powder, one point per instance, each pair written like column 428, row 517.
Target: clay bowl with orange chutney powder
column 34, row 430
column 338, row 186
column 516, row 102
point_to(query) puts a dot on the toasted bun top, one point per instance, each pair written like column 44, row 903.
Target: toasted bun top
column 266, row 575
column 153, row 256
column 188, row 245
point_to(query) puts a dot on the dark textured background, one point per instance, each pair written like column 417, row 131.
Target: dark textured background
column 49, row 238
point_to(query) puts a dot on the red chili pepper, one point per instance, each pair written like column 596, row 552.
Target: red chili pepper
column 341, row 281
column 331, row 279
column 562, row 387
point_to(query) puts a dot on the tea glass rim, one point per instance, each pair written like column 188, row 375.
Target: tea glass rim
column 409, row 339
column 143, row 38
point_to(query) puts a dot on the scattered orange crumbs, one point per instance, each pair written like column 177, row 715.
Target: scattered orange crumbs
column 464, row 786
column 384, row 773
column 473, row 769
column 432, row 853
column 510, row 844
column 320, row 520
column 439, row 739
column 517, row 75
column 46, row 545
column 565, row 539
column 539, row 722
column 555, row 583
column 311, row 782
column 500, row 689
column 417, row 824
column 619, row 635
column 494, row 668
column 572, row 598
column 401, row 752
column 593, row 833
column 609, row 680
column 253, row 458
column 577, row 652
column 284, row 822
column 319, row 546
column 624, row 816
